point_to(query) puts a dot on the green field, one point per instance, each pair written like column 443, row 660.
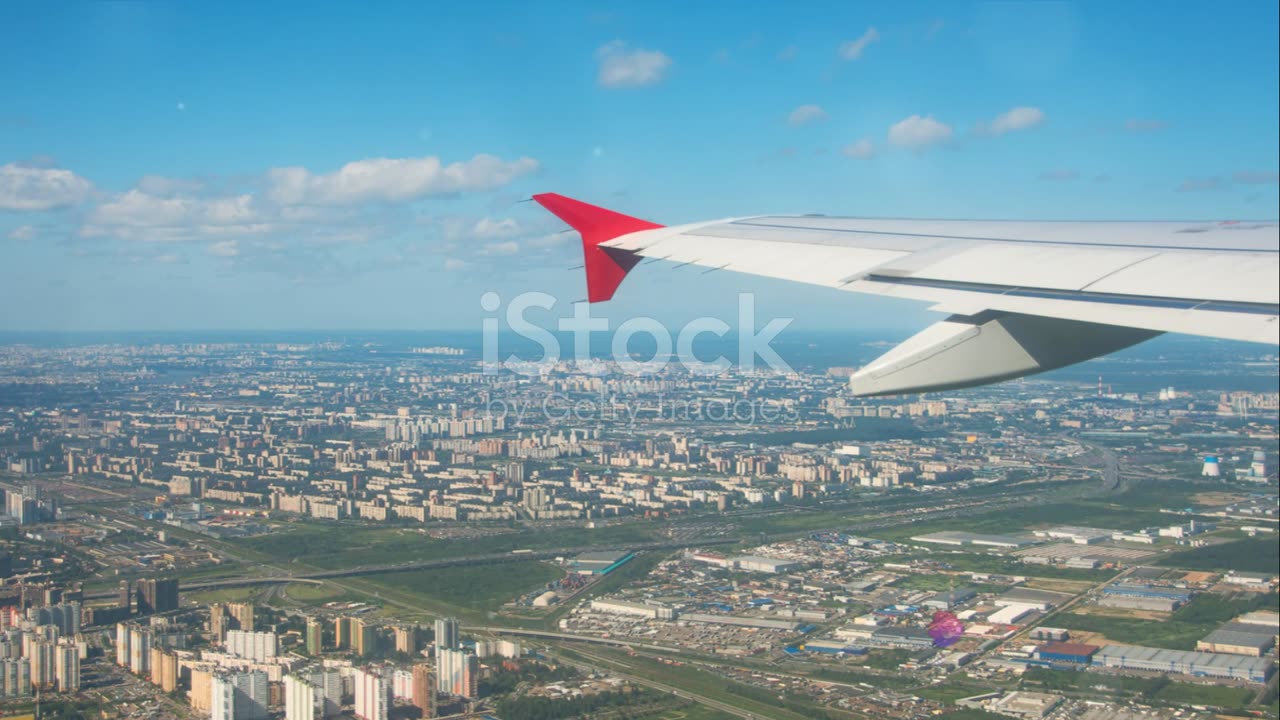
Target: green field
column 692, row 712
column 1261, row 555
column 763, row 703
column 1089, row 513
column 941, row 582
column 1152, row 633
column 848, row 676
column 239, row 594
column 1181, row 631
column 481, row 588
column 307, row 593
column 1148, row 688
column 1215, row 695
column 334, row 546
column 1211, row 609
column 948, row 692
column 1082, row 681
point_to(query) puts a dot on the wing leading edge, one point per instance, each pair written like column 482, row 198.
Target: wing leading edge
column 1022, row 297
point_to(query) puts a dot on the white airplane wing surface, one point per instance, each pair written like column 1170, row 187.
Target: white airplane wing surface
column 1022, row 297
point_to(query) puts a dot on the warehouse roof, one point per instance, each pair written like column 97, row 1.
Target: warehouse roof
column 1066, row 648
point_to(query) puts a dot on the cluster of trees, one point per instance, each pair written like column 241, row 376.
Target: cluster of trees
column 542, row 708
column 506, row 680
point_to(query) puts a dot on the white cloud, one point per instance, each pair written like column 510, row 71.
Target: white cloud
column 455, row 228
column 1063, row 174
column 23, row 232
column 225, row 248
column 454, row 264
column 623, row 67
column 486, row 228
column 806, row 114
column 1139, row 125
column 137, row 215
column 918, row 132
column 1019, row 118
column 27, row 187
column 392, row 179
column 549, row 240
column 861, row 149
column 852, row 50
column 509, row 247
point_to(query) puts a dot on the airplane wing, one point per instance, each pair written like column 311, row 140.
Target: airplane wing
column 1022, row 297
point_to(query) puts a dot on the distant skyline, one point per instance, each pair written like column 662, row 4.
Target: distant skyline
column 322, row 166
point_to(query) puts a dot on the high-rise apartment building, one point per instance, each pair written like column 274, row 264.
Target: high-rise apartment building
column 302, row 699
column 424, row 690
column 255, row 646
column 239, row 696
column 314, row 636
column 364, row 636
column 372, row 694
column 66, row 666
column 457, row 673
column 447, row 634
column 156, row 596
column 242, row 616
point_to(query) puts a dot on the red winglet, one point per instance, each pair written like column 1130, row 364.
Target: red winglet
column 605, row 267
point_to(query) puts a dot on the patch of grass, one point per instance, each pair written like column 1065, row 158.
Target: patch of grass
column 795, row 520
column 1211, row 609
column 760, row 701
column 949, row 693
column 337, row 546
column 1260, row 555
column 1156, row 494
column 888, row 659
column 1088, row 513
column 307, row 593
column 1083, row 681
column 235, row 594
column 1170, row 634
column 942, row 583
column 692, row 712
column 481, row 588
column 1214, row 695
column 854, row 677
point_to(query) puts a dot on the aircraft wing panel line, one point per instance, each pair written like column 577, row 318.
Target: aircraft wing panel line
column 1023, row 296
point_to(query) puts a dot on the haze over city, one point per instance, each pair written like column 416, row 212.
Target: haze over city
column 639, row 361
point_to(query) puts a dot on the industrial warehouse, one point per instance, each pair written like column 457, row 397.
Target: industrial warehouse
column 1184, row 662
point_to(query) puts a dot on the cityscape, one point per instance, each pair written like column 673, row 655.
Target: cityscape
column 607, row 360
column 364, row 527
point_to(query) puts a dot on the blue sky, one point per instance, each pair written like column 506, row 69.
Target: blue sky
column 317, row 165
